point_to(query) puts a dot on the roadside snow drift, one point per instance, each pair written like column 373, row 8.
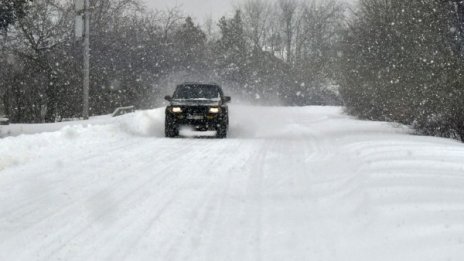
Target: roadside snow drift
column 289, row 184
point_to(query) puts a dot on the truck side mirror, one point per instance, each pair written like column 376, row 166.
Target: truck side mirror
column 168, row 98
column 227, row 99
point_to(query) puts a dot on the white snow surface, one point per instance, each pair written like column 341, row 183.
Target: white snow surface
column 288, row 184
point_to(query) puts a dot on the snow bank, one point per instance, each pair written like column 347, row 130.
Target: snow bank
column 27, row 142
column 143, row 123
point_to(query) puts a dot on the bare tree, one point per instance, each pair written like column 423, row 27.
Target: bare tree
column 105, row 13
column 209, row 27
column 256, row 16
column 319, row 26
column 170, row 19
column 47, row 26
column 287, row 12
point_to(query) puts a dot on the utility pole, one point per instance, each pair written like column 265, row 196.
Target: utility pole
column 86, row 69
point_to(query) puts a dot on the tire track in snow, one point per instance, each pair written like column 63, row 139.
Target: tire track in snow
column 63, row 211
column 200, row 208
column 140, row 196
column 223, row 213
column 136, row 237
column 45, row 198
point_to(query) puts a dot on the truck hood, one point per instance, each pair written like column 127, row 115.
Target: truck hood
column 196, row 102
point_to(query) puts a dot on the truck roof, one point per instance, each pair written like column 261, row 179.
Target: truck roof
column 199, row 83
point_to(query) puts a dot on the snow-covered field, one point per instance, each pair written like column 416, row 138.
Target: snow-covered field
column 289, row 184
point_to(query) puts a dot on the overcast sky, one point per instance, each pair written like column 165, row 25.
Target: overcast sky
column 201, row 9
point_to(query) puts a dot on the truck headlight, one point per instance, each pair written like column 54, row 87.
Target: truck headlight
column 176, row 109
column 214, row 110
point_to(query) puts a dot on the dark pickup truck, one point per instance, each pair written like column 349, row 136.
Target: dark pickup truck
column 201, row 106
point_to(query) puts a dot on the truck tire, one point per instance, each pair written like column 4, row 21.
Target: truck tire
column 170, row 129
column 221, row 132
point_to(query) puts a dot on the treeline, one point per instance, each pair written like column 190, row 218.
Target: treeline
column 282, row 52
column 403, row 61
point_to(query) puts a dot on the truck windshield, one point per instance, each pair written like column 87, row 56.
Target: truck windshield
column 197, row 92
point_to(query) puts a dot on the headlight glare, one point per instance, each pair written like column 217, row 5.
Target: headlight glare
column 176, row 109
column 214, row 110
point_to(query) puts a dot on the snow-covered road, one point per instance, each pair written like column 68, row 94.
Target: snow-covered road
column 289, row 184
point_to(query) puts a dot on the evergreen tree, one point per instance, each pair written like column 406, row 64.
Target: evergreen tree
column 190, row 46
column 231, row 50
column 11, row 11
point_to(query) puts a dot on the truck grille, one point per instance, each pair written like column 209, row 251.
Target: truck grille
column 192, row 110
